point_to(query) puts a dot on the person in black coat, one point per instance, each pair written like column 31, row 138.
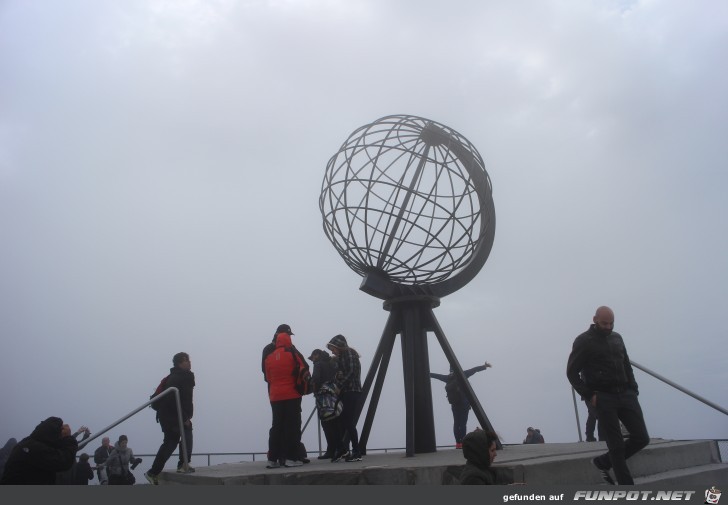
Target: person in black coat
column 458, row 401
column 324, row 370
column 82, row 471
column 39, row 457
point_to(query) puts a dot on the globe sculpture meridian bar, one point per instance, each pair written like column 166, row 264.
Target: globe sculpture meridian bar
column 407, row 204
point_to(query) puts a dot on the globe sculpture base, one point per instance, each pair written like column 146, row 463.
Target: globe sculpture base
column 413, row 317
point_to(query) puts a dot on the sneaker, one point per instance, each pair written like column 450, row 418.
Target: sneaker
column 603, row 471
column 352, row 458
column 273, row 464
column 306, row 460
column 181, row 469
column 152, row 479
column 326, row 455
column 458, row 445
column 340, row 456
column 294, row 463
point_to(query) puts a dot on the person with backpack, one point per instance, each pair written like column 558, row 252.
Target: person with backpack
column 458, row 401
column 281, row 369
column 182, row 378
column 328, row 402
column 348, row 379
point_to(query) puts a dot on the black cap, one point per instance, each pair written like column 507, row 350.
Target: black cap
column 284, row 328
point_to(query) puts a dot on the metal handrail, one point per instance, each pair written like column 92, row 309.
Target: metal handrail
column 663, row 379
column 680, row 388
column 178, row 403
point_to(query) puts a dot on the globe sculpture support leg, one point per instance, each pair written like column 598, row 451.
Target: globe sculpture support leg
column 413, row 319
column 463, row 381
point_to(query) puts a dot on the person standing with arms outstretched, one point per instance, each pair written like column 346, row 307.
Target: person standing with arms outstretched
column 600, row 371
column 458, row 401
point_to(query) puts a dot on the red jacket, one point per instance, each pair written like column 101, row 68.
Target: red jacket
column 279, row 370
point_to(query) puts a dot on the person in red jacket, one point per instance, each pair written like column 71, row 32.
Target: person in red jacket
column 285, row 400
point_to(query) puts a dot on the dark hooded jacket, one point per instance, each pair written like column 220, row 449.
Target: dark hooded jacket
column 39, row 457
column 324, row 370
column 477, row 468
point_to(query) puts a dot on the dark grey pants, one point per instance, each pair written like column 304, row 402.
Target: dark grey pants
column 612, row 408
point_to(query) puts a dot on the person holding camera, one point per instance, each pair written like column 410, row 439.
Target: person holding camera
column 118, row 465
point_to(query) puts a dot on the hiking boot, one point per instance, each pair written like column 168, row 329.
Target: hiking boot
column 181, row 469
column 294, row 463
column 152, row 479
column 603, row 471
column 352, row 458
column 273, row 464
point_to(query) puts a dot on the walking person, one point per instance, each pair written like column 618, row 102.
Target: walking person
column 118, row 463
column 458, row 401
column 101, row 454
column 280, row 367
column 600, row 371
column 348, row 377
column 181, row 377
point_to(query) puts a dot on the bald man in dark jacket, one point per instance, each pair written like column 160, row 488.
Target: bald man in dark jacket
column 600, row 370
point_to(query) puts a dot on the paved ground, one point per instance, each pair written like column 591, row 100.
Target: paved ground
column 396, row 467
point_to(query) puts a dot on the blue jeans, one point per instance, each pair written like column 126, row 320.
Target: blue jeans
column 460, row 413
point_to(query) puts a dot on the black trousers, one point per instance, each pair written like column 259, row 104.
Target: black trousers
column 350, row 400
column 285, row 432
column 332, row 432
column 172, row 438
column 612, row 408
column 592, row 423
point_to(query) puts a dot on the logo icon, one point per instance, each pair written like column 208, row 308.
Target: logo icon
column 712, row 496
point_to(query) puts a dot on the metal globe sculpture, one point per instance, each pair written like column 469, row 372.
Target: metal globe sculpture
column 408, row 205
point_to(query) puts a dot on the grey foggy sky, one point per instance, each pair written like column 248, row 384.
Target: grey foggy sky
column 161, row 163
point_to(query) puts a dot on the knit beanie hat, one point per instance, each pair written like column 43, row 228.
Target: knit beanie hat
column 338, row 341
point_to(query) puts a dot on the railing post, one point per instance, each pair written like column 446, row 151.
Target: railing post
column 576, row 412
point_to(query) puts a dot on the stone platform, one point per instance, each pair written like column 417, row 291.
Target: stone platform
column 695, row 462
